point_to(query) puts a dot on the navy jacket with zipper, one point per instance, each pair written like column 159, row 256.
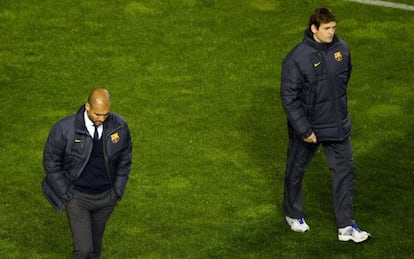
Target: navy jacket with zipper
column 314, row 89
column 68, row 149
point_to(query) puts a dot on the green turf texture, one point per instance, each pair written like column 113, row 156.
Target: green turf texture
column 198, row 82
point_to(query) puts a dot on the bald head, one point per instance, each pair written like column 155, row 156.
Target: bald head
column 99, row 95
column 98, row 105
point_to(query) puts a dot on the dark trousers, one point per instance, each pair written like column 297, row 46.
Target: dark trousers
column 342, row 170
column 87, row 216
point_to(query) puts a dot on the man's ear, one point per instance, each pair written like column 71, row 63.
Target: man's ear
column 87, row 106
column 314, row 29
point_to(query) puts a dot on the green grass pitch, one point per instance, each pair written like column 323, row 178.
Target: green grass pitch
column 198, row 82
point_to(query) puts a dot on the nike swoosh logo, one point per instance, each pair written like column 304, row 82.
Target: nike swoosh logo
column 317, row 64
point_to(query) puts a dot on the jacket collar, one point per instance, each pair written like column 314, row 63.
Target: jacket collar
column 109, row 124
column 310, row 41
column 80, row 121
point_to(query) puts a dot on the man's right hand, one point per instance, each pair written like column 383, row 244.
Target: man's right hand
column 311, row 139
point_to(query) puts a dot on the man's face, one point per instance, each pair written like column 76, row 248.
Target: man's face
column 98, row 112
column 325, row 33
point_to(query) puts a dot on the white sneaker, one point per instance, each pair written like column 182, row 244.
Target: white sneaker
column 353, row 233
column 298, row 225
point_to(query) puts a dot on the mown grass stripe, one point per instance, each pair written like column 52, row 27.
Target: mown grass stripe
column 385, row 4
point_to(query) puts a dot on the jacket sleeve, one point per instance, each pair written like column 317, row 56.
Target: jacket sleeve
column 349, row 67
column 53, row 160
column 291, row 93
column 123, row 166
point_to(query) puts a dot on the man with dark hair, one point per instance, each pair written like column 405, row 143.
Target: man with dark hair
column 87, row 159
column 313, row 88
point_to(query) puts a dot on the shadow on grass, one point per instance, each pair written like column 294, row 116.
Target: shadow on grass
column 385, row 176
column 383, row 199
column 37, row 230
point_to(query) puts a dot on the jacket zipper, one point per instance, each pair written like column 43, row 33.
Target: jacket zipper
column 73, row 179
column 107, row 163
column 332, row 79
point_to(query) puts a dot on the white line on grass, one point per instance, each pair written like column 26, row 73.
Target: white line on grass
column 386, row 4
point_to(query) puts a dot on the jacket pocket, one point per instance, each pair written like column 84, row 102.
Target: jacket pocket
column 51, row 195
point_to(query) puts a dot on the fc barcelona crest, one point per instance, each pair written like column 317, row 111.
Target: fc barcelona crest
column 115, row 138
column 338, row 56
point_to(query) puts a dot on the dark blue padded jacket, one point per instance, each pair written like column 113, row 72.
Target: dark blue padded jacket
column 314, row 89
column 68, row 149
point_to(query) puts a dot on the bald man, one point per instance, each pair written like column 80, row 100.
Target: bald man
column 87, row 159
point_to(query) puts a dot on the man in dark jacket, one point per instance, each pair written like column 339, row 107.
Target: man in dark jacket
column 314, row 81
column 87, row 159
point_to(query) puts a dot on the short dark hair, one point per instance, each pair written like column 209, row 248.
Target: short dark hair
column 321, row 15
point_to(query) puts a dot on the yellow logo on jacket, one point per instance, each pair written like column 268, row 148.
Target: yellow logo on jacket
column 115, row 138
column 338, row 56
